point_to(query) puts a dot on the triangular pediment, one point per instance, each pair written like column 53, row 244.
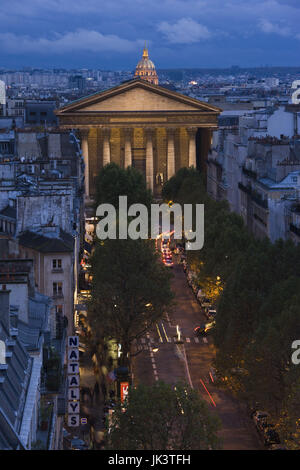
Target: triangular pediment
column 139, row 96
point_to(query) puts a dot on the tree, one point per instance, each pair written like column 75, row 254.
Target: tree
column 163, row 417
column 114, row 181
column 130, row 291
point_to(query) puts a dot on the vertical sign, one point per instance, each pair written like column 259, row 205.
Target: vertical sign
column 124, row 390
column 73, row 382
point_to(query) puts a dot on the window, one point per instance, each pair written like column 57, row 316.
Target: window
column 59, row 309
column 57, row 289
column 56, row 264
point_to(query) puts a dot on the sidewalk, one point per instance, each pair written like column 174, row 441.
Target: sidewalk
column 91, row 407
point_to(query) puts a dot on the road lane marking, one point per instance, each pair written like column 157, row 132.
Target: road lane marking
column 168, row 339
column 188, row 340
column 205, row 340
column 211, row 398
column 196, row 340
column 160, row 337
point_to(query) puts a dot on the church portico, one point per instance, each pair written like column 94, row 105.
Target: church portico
column 158, row 135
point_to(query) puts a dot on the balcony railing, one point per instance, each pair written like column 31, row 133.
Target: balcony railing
column 295, row 229
column 259, row 201
column 250, row 173
column 245, row 189
column 254, row 196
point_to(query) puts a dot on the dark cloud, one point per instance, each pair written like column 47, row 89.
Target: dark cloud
column 112, row 32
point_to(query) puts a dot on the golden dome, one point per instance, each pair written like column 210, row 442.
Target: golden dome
column 145, row 68
column 145, row 64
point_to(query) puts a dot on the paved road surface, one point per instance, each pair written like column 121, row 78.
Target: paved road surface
column 168, row 364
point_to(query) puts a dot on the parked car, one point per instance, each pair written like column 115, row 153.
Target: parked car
column 264, row 424
column 205, row 302
column 78, row 444
column 168, row 263
column 277, row 447
column 270, row 437
column 194, row 288
column 210, row 313
column 259, row 415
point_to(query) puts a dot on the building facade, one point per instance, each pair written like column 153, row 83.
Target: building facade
column 142, row 125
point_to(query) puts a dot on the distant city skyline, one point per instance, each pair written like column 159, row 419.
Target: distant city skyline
column 179, row 33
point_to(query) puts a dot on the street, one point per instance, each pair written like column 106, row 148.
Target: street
column 191, row 361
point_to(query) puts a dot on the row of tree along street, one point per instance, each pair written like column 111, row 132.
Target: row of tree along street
column 129, row 294
column 258, row 306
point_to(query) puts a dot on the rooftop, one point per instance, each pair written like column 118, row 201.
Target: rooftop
column 59, row 243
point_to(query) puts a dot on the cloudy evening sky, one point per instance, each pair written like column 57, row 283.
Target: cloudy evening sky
column 180, row 33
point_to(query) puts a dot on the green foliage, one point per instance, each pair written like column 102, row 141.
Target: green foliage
column 258, row 309
column 114, row 181
column 130, row 290
column 163, row 417
column 186, row 183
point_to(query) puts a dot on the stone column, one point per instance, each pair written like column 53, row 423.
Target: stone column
column 170, row 153
column 85, row 152
column 192, row 146
column 128, row 152
column 149, row 158
column 106, row 146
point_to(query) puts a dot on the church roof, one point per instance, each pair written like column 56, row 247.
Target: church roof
column 137, row 83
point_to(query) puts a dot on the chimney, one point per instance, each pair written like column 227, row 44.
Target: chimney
column 4, row 309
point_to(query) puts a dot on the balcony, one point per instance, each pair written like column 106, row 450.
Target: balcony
column 245, row 189
column 255, row 196
column 57, row 270
column 250, row 173
column 259, row 200
column 295, row 229
column 57, row 295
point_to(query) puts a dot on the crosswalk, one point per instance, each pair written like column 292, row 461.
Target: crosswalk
column 174, row 340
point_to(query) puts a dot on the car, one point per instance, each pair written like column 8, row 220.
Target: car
column 78, row 444
column 264, row 424
column 259, row 415
column 277, row 447
column 168, row 263
column 194, row 288
column 166, row 253
column 204, row 329
column 205, row 302
column 210, row 313
column 270, row 436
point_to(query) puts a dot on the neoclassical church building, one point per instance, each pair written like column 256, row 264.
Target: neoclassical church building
column 142, row 124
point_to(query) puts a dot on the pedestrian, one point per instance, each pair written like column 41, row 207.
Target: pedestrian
column 96, row 391
column 103, row 389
